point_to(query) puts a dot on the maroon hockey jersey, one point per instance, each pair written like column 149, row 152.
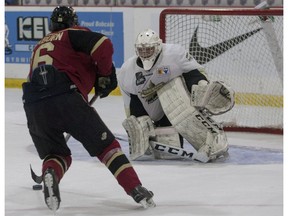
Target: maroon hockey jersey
column 80, row 53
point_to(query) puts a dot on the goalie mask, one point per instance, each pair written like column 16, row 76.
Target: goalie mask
column 63, row 17
column 148, row 45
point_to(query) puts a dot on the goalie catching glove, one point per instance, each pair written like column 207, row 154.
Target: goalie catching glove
column 216, row 97
column 105, row 85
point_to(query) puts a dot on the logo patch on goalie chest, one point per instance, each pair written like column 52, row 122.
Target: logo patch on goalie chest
column 140, row 78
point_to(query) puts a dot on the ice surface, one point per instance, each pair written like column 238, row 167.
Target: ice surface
column 248, row 183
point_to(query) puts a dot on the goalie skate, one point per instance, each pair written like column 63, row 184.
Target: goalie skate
column 220, row 158
column 51, row 190
column 142, row 196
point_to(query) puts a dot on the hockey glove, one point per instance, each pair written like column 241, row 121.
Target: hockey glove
column 105, row 85
column 216, row 97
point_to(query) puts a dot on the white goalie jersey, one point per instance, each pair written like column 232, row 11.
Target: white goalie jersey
column 132, row 79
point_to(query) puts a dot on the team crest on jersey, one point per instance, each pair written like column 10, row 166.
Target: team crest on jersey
column 163, row 71
column 140, row 78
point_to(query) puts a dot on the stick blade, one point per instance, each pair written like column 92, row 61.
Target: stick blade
column 36, row 178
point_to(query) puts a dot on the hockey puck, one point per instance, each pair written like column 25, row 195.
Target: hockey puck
column 37, row 187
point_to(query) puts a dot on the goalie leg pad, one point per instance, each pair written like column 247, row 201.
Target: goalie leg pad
column 139, row 130
column 215, row 146
column 191, row 123
column 169, row 136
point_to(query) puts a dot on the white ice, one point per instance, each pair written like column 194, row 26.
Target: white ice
column 249, row 183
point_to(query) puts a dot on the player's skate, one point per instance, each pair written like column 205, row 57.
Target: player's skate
column 51, row 190
column 143, row 196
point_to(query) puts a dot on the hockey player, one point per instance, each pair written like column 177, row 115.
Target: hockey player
column 168, row 97
column 65, row 65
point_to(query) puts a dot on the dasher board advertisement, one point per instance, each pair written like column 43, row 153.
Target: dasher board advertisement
column 23, row 30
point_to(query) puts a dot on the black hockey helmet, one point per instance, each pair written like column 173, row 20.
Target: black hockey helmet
column 63, row 17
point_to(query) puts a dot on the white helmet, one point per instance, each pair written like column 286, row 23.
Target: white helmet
column 148, row 45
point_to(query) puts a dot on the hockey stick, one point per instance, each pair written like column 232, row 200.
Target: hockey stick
column 182, row 153
column 38, row 179
column 91, row 102
column 192, row 155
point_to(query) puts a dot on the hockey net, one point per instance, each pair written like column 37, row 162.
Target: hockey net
column 242, row 47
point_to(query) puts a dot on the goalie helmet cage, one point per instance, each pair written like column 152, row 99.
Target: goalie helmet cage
column 243, row 48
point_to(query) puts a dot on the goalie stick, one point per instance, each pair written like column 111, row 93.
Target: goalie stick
column 38, row 179
column 193, row 155
column 175, row 151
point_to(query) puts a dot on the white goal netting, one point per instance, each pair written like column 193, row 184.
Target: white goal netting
column 244, row 48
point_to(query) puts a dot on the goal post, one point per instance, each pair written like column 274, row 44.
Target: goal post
column 242, row 47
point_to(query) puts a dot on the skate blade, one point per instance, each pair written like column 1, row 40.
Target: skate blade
column 147, row 203
column 51, row 201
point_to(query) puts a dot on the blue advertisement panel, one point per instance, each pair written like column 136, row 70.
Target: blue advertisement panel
column 24, row 29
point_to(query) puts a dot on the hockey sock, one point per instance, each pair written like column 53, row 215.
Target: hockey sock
column 60, row 164
column 119, row 165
